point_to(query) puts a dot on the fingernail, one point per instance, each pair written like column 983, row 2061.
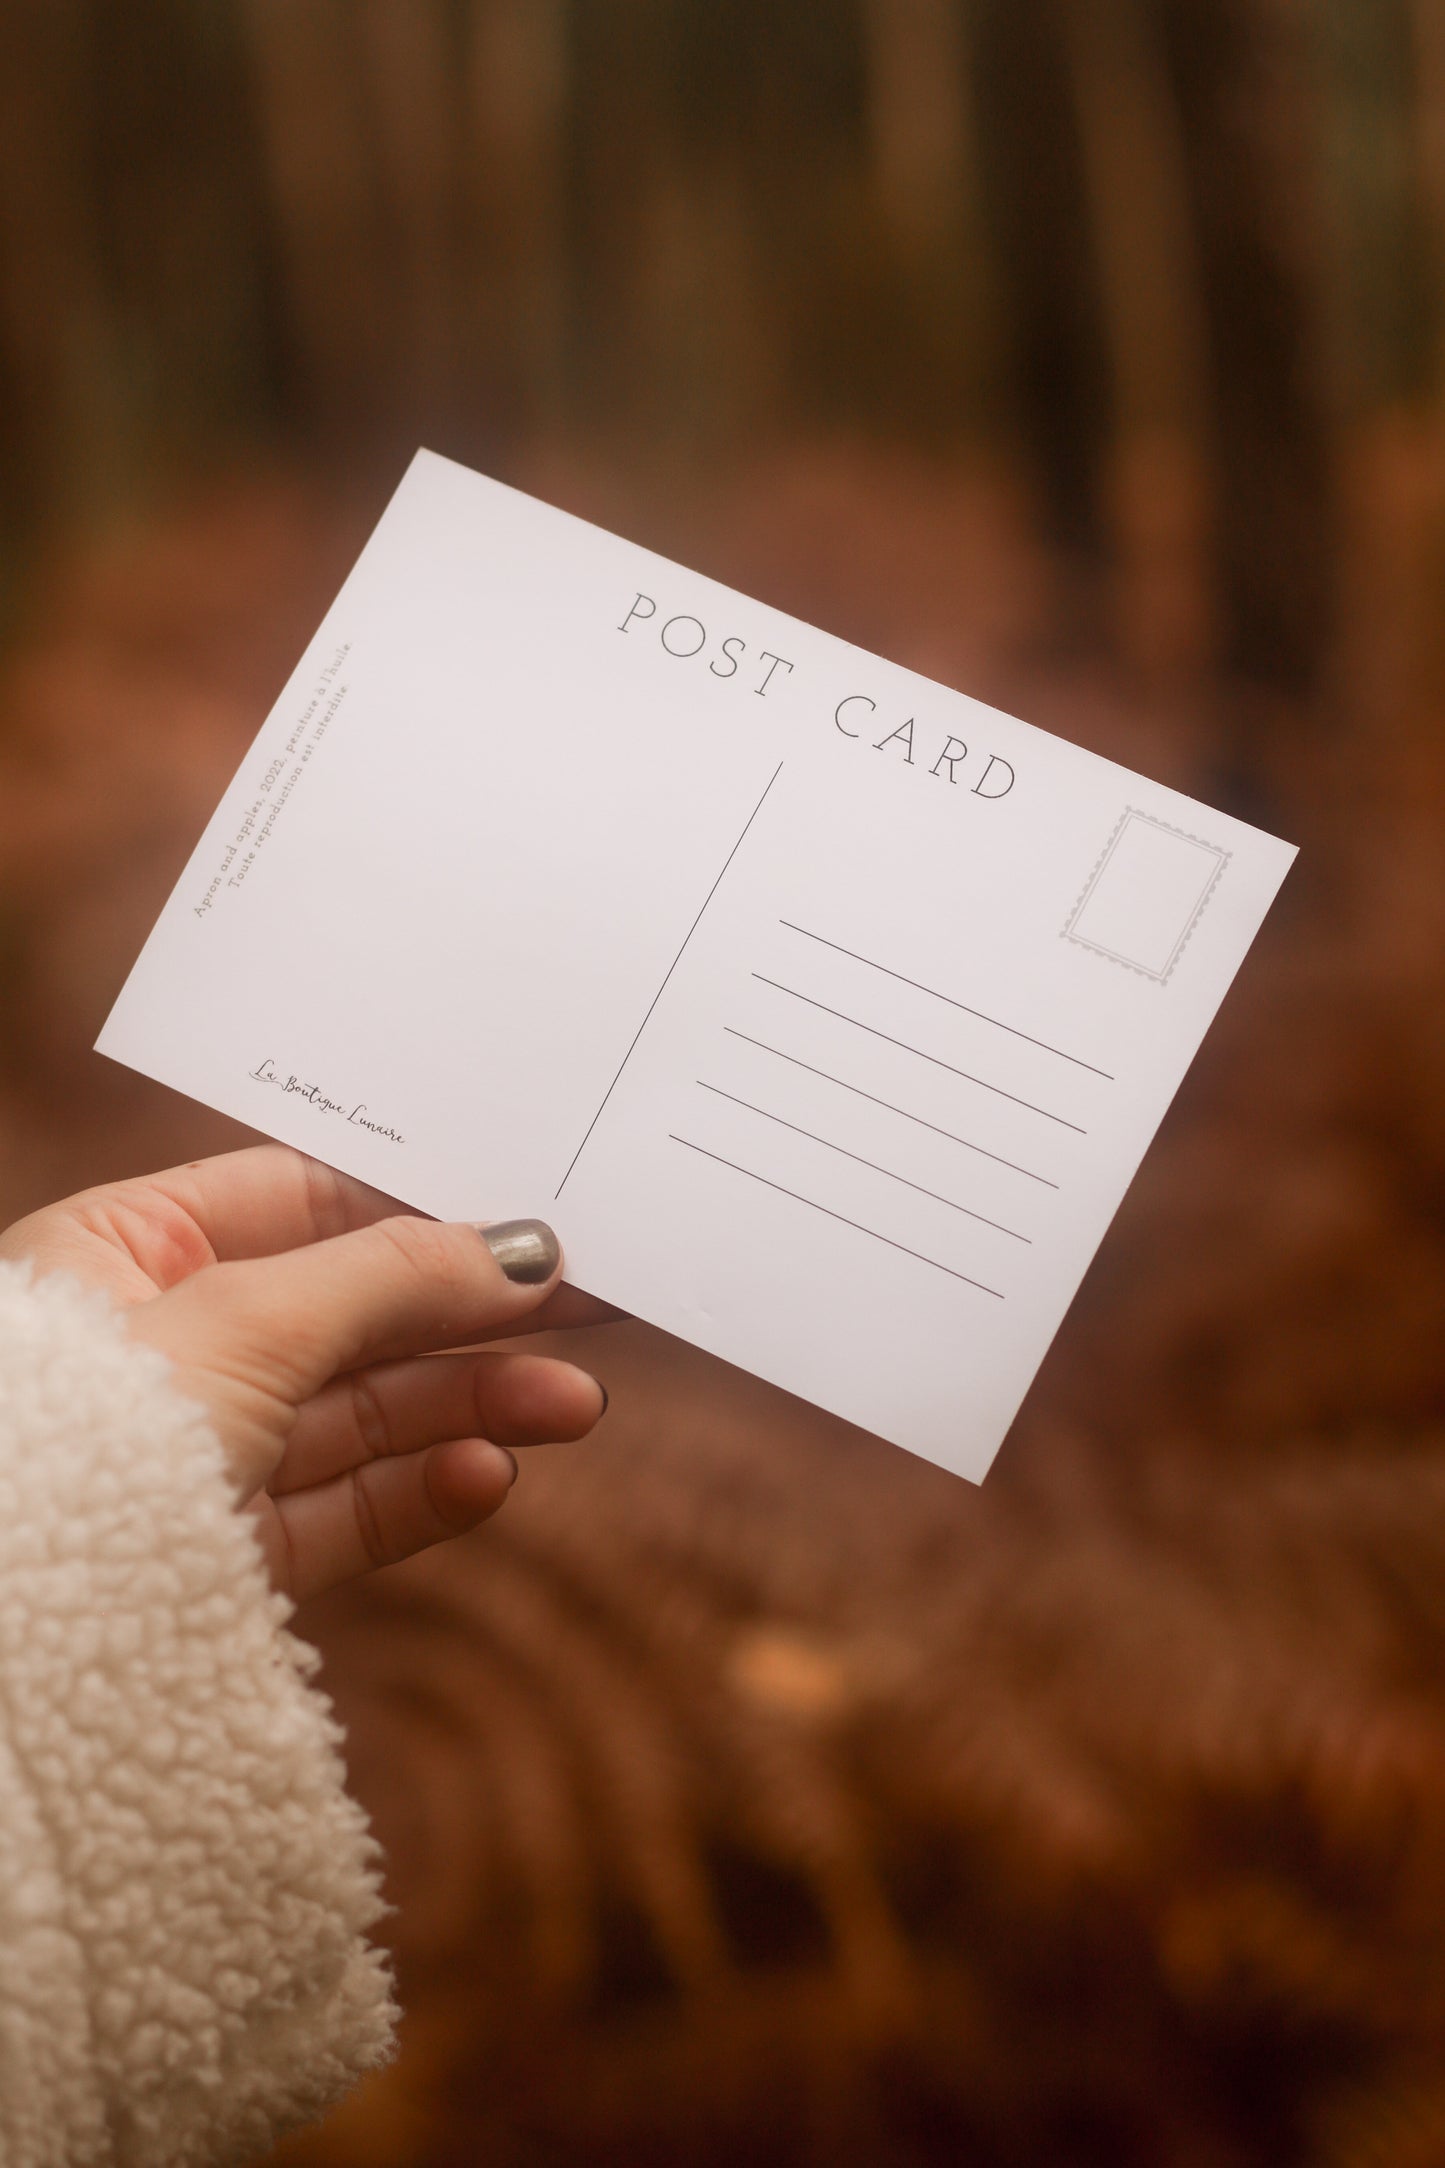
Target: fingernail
column 512, row 1459
column 606, row 1398
column 526, row 1249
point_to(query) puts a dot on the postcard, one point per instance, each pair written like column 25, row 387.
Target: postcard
column 825, row 1012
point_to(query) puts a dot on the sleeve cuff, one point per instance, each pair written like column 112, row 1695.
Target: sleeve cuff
column 184, row 1923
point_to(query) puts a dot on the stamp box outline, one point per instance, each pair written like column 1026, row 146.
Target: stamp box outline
column 1201, row 903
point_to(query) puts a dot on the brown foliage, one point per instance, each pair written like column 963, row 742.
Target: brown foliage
column 752, row 1791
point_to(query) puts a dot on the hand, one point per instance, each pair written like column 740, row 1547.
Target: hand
column 298, row 1308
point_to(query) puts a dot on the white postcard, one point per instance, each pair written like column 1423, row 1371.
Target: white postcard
column 824, row 1012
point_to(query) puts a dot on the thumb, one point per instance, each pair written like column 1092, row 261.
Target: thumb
column 286, row 1324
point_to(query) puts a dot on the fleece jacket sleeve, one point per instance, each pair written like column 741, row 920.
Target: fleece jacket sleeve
column 185, row 1885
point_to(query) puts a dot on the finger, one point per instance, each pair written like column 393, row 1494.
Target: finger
column 284, row 1326
column 382, row 1512
column 136, row 1236
column 565, row 1311
column 393, row 1409
column 266, row 1198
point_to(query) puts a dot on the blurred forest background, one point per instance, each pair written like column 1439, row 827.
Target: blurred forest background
column 754, row 1793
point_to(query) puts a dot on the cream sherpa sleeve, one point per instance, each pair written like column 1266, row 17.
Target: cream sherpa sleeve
column 185, row 1886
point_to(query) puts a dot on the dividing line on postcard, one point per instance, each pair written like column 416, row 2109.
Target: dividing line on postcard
column 841, row 1217
column 677, row 959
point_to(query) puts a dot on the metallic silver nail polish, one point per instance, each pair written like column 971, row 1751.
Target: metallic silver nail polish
column 526, row 1249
